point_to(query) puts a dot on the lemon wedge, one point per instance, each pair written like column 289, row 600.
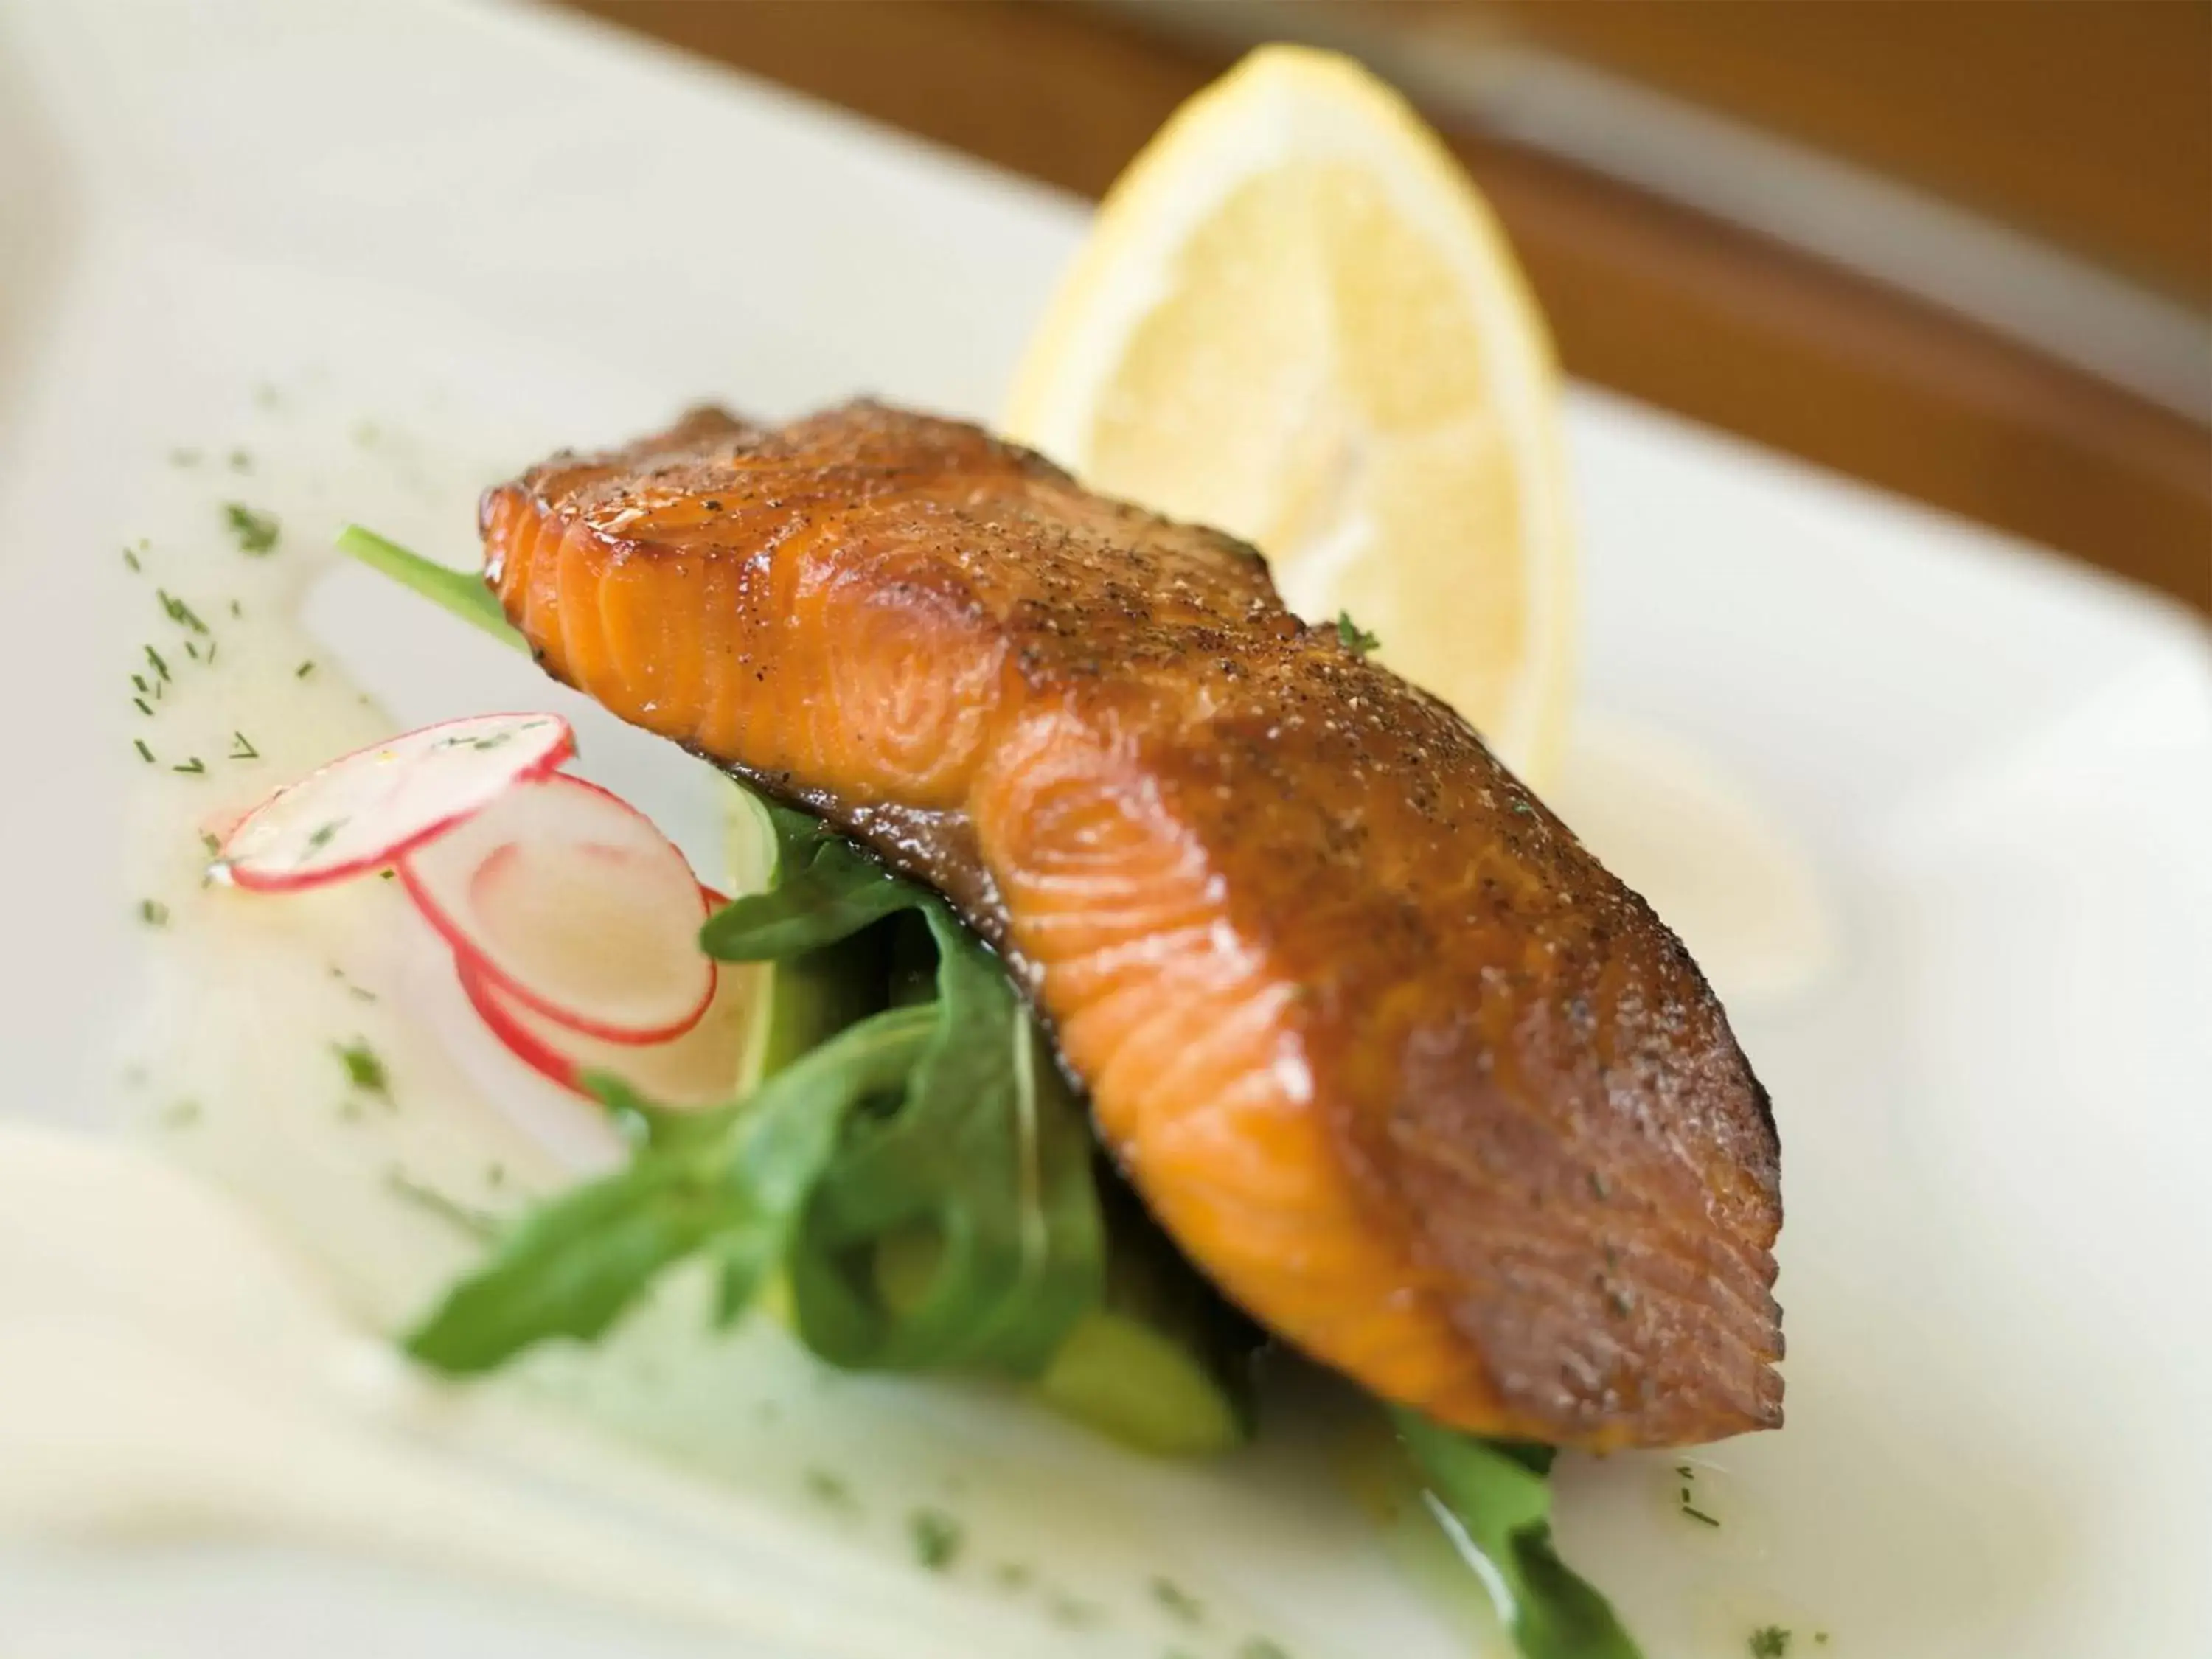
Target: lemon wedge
column 1296, row 319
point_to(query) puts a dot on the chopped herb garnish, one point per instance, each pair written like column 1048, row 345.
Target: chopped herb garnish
column 179, row 611
column 241, row 747
column 160, row 666
column 184, row 458
column 830, row 1489
column 362, row 1068
column 256, row 532
column 144, row 753
column 1354, row 638
column 1521, row 806
column 211, row 842
column 1599, row 1188
column 192, row 767
column 1259, row 1647
column 1070, row 1611
column 1768, row 1642
column 241, row 461
column 1178, row 1601
column 213, row 647
column 182, row 1116
column 131, row 559
column 191, row 651
column 303, row 670
column 236, row 609
column 154, row 912
column 480, row 1224
column 144, row 708
column 1013, row 1575
column 936, row 1537
column 1699, row 1515
column 139, row 680
column 495, row 1175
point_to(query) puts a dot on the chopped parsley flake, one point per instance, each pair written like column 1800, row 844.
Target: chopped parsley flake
column 154, row 912
column 362, row 1068
column 144, row 707
column 936, row 1537
column 1768, row 1642
column 154, row 659
column 256, row 532
column 1354, row 638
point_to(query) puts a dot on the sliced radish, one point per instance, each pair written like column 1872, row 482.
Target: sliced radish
column 369, row 809
column 704, row 1068
column 571, row 902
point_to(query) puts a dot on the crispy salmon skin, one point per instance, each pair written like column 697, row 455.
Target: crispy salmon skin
column 1392, row 1057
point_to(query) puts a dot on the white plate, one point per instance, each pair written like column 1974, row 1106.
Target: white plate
column 499, row 231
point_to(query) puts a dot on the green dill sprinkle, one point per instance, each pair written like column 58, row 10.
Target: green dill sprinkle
column 495, row 1175
column 1768, row 1642
column 154, row 660
column 481, row 1224
column 213, row 647
column 211, row 843
column 236, row 609
column 241, row 747
column 362, row 1068
column 1178, row 1601
column 256, row 532
column 1068, row 1610
column 144, row 753
column 139, row 680
column 192, row 767
column 1699, row 1515
column 831, row 1489
column 1354, row 638
column 1598, row 1187
column 131, row 559
column 241, row 461
column 936, row 1537
column 320, row 837
column 182, row 1116
column 179, row 611
column 1259, row 1647
column 191, row 651
column 304, row 670
column 1522, row 806
column 154, row 912
column 1013, row 1575
column 144, row 708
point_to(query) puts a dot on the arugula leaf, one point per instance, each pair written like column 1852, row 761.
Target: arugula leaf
column 733, row 1189
column 463, row 592
column 990, row 1159
column 826, row 889
column 1493, row 1499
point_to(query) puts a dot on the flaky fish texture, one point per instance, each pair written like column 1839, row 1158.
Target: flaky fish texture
column 1401, row 1067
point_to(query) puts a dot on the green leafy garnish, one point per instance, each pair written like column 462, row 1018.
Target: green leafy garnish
column 1493, row 1499
column 256, row 532
column 363, row 1069
column 462, row 592
column 1768, row 1642
column 729, row 1185
column 1354, row 638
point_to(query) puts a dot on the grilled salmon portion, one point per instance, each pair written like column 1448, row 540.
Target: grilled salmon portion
column 1394, row 1059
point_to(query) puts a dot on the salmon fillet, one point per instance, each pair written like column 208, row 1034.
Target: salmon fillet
column 1391, row 1056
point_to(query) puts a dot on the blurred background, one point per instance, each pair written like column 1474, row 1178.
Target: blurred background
column 1959, row 250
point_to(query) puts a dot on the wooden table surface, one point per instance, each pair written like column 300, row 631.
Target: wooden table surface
column 1680, row 311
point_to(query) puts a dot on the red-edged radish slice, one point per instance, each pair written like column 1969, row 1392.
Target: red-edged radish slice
column 705, row 1066
column 371, row 808
column 571, row 902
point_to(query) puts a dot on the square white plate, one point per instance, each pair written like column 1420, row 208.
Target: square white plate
column 500, row 231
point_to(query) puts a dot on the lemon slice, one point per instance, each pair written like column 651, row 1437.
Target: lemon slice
column 1296, row 319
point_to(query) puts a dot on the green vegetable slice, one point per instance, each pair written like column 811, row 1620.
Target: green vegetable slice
column 1493, row 1499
